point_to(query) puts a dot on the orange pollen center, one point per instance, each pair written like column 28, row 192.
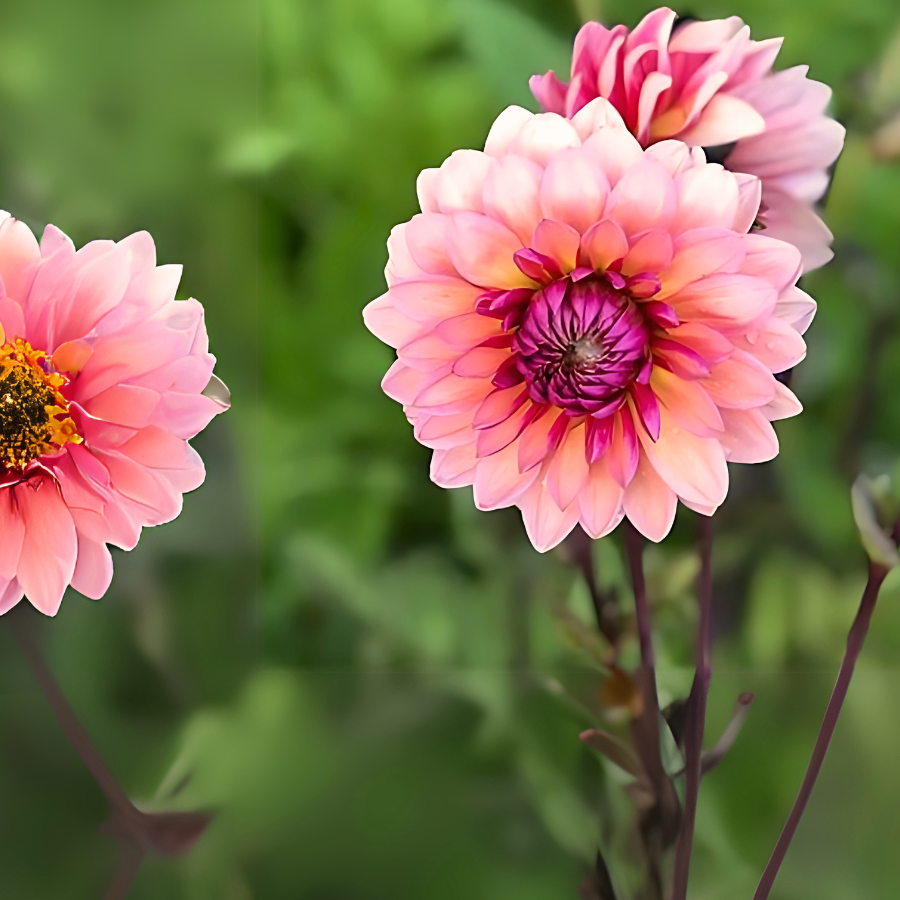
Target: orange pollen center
column 34, row 415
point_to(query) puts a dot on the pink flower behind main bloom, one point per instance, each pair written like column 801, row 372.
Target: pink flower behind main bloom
column 585, row 329
column 102, row 379
column 709, row 85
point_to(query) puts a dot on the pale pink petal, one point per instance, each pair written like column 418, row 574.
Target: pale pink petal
column 512, row 194
column 749, row 198
column 49, row 548
column 796, row 308
column 506, row 129
column 777, row 345
column 461, row 181
column 93, row 569
column 748, row 436
column 698, row 253
column 574, row 190
column 675, row 156
column 426, row 190
column 644, row 197
column 776, row 261
column 11, row 595
column 649, row 502
column 12, row 527
column 454, row 467
column 725, row 119
column 482, row 250
column 382, row 318
column 498, row 482
column 542, row 136
column 615, row 151
column 452, row 394
column 729, row 303
column 597, row 114
column 707, row 198
column 740, row 382
column 545, row 524
column 783, row 405
column 568, row 469
column 600, row 501
column 433, row 301
column 19, row 257
column 427, row 237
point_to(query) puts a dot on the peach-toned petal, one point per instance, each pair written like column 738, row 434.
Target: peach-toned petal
column 533, row 442
column 649, row 502
column 545, row 524
column 724, row 120
column 434, row 300
column 452, row 394
column 748, row 436
column 12, row 527
column 558, row 241
column 427, row 237
column 644, row 197
column 511, row 195
column 776, row 261
column 777, row 345
column 604, row 243
column 652, row 252
column 93, row 569
column 454, row 467
column 726, row 302
column 600, row 501
column 698, row 253
column 689, row 405
column 568, row 469
column 740, row 382
column 498, row 482
column 482, row 250
column 574, row 190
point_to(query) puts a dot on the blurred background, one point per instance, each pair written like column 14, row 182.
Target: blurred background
column 376, row 688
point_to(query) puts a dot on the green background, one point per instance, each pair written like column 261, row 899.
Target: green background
column 377, row 688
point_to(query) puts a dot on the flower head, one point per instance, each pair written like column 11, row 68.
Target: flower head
column 102, row 381
column 585, row 328
column 708, row 84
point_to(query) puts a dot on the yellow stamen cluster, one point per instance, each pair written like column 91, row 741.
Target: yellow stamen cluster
column 34, row 415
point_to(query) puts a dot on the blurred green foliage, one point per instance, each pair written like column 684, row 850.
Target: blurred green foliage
column 376, row 688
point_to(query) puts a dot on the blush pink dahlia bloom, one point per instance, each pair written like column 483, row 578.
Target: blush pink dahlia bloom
column 102, row 379
column 585, row 328
column 708, row 84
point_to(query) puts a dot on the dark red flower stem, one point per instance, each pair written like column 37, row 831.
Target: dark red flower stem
column 696, row 713
column 123, row 809
column 855, row 639
column 633, row 545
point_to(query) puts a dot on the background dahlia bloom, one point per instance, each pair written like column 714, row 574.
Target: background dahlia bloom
column 585, row 328
column 709, row 85
column 102, row 376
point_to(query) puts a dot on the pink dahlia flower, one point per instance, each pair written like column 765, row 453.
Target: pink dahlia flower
column 709, row 85
column 102, row 380
column 585, row 328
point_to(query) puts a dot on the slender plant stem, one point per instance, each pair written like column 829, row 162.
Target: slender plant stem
column 855, row 639
column 129, row 863
column 696, row 714
column 603, row 601
column 633, row 544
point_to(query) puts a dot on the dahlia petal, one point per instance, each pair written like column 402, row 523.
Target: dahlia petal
column 11, row 595
column 680, row 359
column 704, row 36
column 709, row 344
column 549, row 91
column 403, row 383
column 429, row 353
column 593, row 116
column 381, row 316
column 783, row 405
column 545, row 523
column 461, row 181
column 644, row 197
column 725, row 119
column 506, row 129
column 480, row 362
column 19, row 256
column 654, row 84
column 558, row 241
column 573, row 190
column 749, row 198
column 71, row 357
column 600, row 501
column 49, row 547
column 647, row 408
column 796, row 308
column 434, row 300
column 748, row 437
column 498, row 482
column 740, row 382
column 649, row 502
column 427, row 237
column 604, row 243
column 444, row 432
column 156, row 448
column 622, row 456
column 52, row 239
column 499, row 405
column 93, row 569
column 796, row 222
column 467, row 330
column 615, row 151
column 698, row 253
column 482, row 251
column 141, row 250
column 544, row 135
column 776, row 261
column 454, row 467
column 426, row 190
column 511, row 194
column 675, row 156
column 535, row 439
column 568, row 469
column 452, row 394
column 707, row 198
column 651, row 252
column 142, row 485
column 692, row 466
column 688, row 404
column 12, row 528
column 400, row 265
column 727, row 302
column 495, row 438
column 777, row 345
column 124, row 404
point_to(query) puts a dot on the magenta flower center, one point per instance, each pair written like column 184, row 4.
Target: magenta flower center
column 581, row 345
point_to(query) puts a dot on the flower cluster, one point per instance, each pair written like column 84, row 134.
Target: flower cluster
column 707, row 84
column 587, row 328
column 104, row 377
